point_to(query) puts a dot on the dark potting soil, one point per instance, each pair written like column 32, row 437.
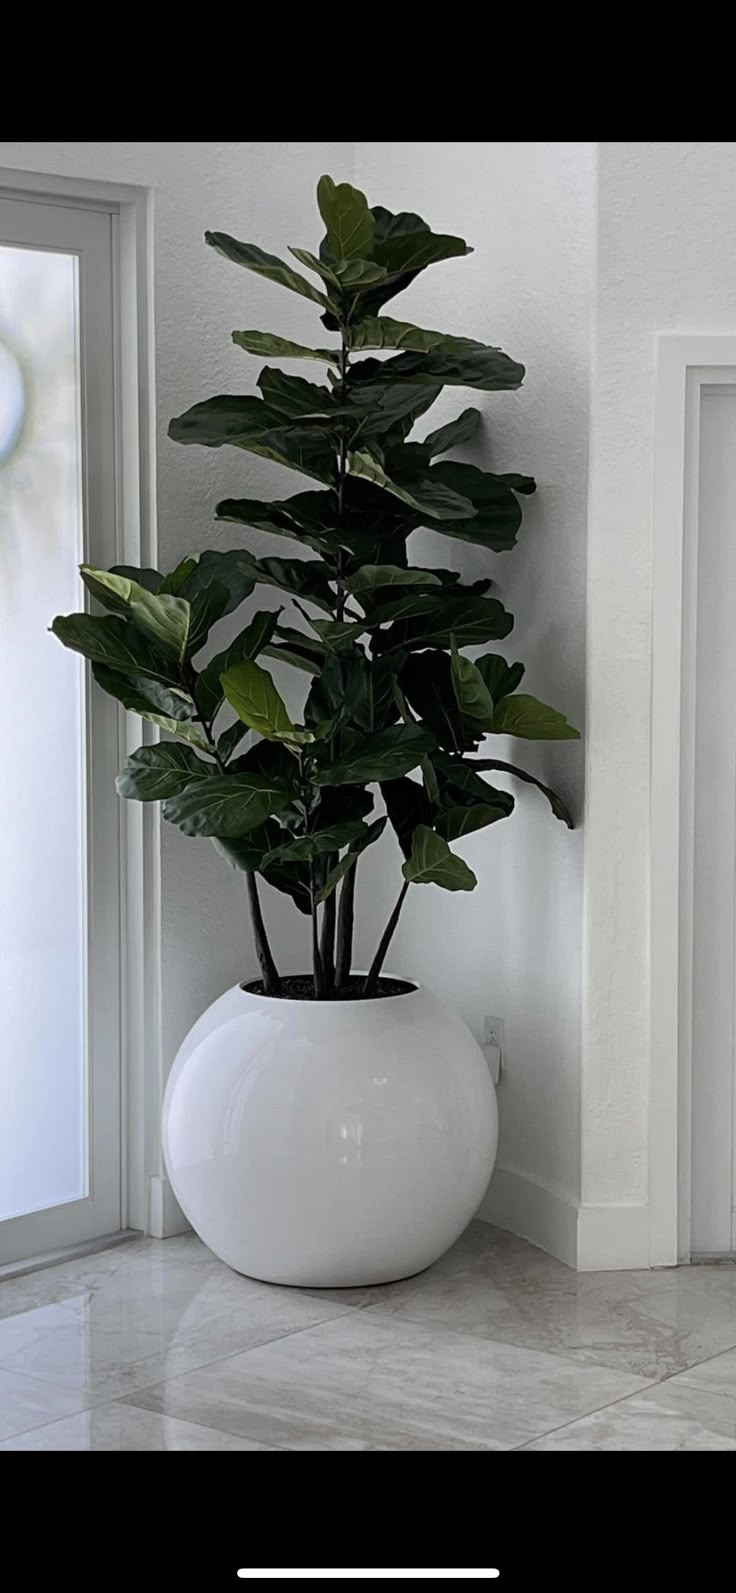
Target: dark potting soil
column 300, row 987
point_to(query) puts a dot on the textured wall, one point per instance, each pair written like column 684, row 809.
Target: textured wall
column 666, row 262
column 513, row 947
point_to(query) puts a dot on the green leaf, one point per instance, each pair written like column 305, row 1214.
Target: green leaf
column 454, row 434
column 372, row 576
column 407, row 806
column 426, row 679
column 231, row 419
column 154, row 773
column 178, row 578
column 269, row 344
column 153, row 580
column 500, row 678
column 285, row 519
column 349, row 222
column 342, row 276
column 469, row 619
column 497, row 513
column 292, row 396
column 559, row 808
column 382, row 756
column 164, row 619
column 411, row 250
column 265, row 265
column 230, row 740
column 221, row 573
column 432, row 863
column 144, row 696
column 473, row 365
column 117, row 644
column 226, row 805
column 524, row 716
column 246, row 647
column 378, row 407
column 371, row 833
column 471, row 693
column 251, row 692
column 456, row 822
column 426, row 497
column 342, row 693
column 304, row 848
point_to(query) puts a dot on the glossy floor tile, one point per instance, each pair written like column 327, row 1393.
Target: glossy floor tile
column 120, row 1427
column 367, row 1382
column 157, row 1345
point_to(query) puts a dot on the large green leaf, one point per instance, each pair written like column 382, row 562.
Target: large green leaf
column 349, row 222
column 144, row 696
column 251, row 692
column 265, row 265
column 248, row 423
column 559, row 808
column 164, row 619
column 154, row 773
column 372, row 832
column 432, row 863
column 342, row 276
column 407, row 806
column 403, row 248
column 231, row 582
column 153, row 580
column 382, row 756
column 497, row 513
column 303, row 848
column 342, row 693
column 456, row 822
column 292, row 396
column 499, row 677
column 116, row 643
column 426, row 497
column 525, row 716
column 269, row 344
column 454, row 434
column 375, row 409
column 426, row 680
column 437, row 358
column 296, row 647
column 469, row 619
column 309, row 526
column 226, row 805
column 246, row 646
column 372, row 576
column 472, row 695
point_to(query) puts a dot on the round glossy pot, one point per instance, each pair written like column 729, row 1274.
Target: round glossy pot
column 329, row 1143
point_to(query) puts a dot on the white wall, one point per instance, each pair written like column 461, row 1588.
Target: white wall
column 513, row 948
column 666, row 262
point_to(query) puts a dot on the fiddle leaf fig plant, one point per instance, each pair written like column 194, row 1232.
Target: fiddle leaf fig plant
column 394, row 708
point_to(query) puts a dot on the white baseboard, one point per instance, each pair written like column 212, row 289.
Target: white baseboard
column 527, row 1208
column 166, row 1215
column 613, row 1238
column 587, row 1238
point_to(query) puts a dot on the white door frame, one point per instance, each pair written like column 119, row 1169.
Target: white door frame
column 687, row 364
column 135, row 509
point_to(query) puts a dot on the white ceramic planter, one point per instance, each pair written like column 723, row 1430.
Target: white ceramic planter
column 329, row 1143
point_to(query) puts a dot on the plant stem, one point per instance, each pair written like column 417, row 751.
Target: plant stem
column 371, row 982
column 345, row 920
column 327, row 939
column 319, row 984
column 269, row 971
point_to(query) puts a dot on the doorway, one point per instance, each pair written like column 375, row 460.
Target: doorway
column 60, row 844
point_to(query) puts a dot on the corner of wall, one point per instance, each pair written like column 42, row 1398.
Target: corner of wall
column 586, row 1238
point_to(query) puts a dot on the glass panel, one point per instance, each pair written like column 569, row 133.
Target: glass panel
column 43, row 1158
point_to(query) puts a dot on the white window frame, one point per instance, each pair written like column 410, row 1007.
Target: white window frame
column 687, row 365
column 135, row 515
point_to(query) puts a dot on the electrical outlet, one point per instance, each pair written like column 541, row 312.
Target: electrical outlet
column 493, row 1032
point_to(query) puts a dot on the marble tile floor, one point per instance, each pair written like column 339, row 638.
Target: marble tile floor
column 157, row 1345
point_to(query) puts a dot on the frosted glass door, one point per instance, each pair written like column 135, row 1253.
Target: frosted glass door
column 59, row 855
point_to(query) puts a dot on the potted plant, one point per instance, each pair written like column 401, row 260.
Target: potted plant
column 335, row 1127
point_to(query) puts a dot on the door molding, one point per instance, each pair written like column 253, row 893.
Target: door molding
column 130, row 208
column 688, row 365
